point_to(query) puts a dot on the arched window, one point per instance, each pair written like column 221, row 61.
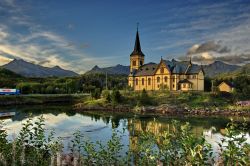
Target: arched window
column 149, row 81
column 158, row 79
column 166, row 79
column 136, row 81
column 162, row 70
column 134, row 63
column 142, row 81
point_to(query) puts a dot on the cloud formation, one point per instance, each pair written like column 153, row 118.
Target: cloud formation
column 207, row 47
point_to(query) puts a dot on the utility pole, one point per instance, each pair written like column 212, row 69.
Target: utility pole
column 106, row 81
column 212, row 87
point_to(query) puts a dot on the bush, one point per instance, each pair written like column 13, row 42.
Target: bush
column 144, row 99
column 106, row 95
column 96, row 94
column 176, row 146
column 116, row 97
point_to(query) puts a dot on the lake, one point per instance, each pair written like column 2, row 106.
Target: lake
column 98, row 126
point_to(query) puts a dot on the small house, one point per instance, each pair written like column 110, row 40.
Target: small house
column 226, row 87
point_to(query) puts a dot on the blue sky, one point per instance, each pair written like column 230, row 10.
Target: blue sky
column 79, row 34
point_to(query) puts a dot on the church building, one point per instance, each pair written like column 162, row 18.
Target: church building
column 171, row 75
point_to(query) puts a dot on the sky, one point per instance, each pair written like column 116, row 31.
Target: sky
column 79, row 34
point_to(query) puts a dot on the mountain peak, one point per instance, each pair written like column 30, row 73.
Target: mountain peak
column 96, row 67
column 29, row 69
column 57, row 67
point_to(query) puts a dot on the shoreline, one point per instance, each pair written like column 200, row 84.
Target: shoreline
column 39, row 99
column 165, row 110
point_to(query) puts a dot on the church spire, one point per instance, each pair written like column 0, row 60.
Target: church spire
column 137, row 47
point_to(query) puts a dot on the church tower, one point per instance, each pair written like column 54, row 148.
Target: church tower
column 136, row 57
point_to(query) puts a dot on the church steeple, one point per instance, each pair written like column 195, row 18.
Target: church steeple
column 137, row 47
column 136, row 57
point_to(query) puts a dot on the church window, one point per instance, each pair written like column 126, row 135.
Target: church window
column 136, row 81
column 149, row 81
column 134, row 63
column 173, row 85
column 142, row 81
column 162, row 70
column 194, row 76
column 140, row 62
column 184, row 85
column 166, row 79
column 158, row 79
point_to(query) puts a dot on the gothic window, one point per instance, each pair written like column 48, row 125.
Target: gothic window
column 158, row 79
column 173, row 85
column 136, row 81
column 166, row 79
column 134, row 63
column 149, row 81
column 173, row 78
column 142, row 81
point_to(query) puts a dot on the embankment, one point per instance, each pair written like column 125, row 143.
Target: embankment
column 39, row 99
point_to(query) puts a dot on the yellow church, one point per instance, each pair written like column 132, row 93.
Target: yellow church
column 171, row 75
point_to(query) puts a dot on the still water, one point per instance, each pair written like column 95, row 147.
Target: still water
column 98, row 126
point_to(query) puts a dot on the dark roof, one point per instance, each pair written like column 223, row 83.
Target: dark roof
column 182, row 67
column 147, row 70
column 137, row 48
column 194, row 69
column 184, row 81
column 231, row 84
column 175, row 67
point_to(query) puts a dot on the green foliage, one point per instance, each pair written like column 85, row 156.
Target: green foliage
column 235, row 150
column 96, row 94
column 116, row 97
column 144, row 98
column 31, row 147
column 106, row 95
column 177, row 146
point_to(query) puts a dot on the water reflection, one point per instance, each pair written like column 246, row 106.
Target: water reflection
column 98, row 126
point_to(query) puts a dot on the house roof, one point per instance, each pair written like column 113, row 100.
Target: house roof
column 185, row 81
column 228, row 83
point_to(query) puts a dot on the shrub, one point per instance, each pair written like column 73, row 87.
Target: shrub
column 116, row 97
column 106, row 95
column 144, row 99
column 96, row 94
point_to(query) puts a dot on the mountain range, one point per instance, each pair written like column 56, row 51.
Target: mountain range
column 211, row 70
column 28, row 69
column 115, row 70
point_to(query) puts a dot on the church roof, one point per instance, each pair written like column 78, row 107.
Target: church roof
column 137, row 47
column 175, row 67
column 147, row 69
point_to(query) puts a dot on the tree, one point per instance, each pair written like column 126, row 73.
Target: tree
column 144, row 99
column 116, row 97
column 96, row 94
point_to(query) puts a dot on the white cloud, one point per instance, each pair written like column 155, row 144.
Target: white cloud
column 4, row 60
